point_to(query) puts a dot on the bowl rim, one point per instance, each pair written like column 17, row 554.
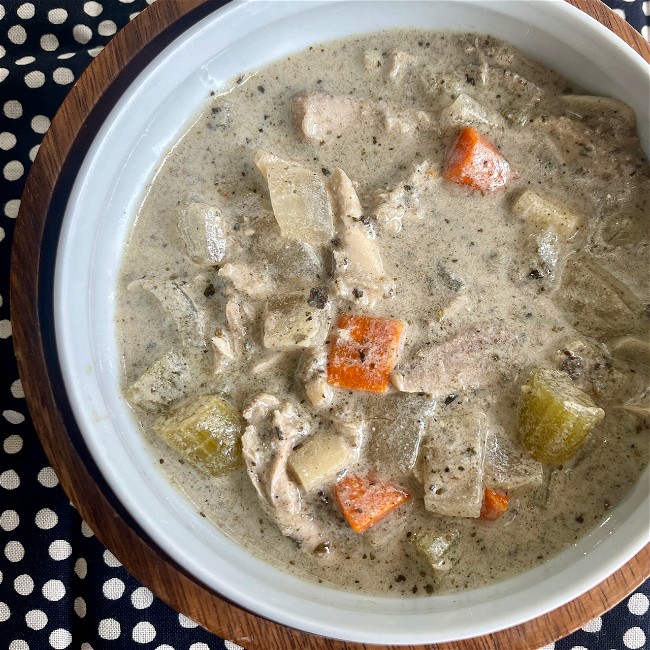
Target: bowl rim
column 45, row 312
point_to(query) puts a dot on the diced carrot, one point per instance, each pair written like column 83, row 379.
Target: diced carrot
column 474, row 160
column 495, row 503
column 365, row 500
column 364, row 352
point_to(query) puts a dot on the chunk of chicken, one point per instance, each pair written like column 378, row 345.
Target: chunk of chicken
column 320, row 117
column 472, row 358
column 359, row 274
column 312, row 372
column 274, row 429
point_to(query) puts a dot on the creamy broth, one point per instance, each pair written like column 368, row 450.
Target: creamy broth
column 486, row 297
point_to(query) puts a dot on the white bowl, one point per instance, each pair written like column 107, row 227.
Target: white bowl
column 118, row 167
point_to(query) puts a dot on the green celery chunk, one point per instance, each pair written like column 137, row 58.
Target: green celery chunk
column 207, row 431
column 555, row 416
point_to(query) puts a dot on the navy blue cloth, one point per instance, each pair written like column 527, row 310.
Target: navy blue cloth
column 59, row 587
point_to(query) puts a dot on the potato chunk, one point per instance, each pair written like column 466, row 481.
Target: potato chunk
column 320, row 459
column 207, row 431
column 292, row 322
column 450, row 464
column 300, row 200
column 201, row 230
column 542, row 213
column 555, row 416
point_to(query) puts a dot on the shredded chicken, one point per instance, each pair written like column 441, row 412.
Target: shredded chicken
column 274, row 429
column 312, row 372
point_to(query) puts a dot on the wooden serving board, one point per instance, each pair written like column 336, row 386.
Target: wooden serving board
column 49, row 177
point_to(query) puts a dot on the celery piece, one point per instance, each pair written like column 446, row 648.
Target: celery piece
column 207, row 431
column 555, row 416
column 438, row 548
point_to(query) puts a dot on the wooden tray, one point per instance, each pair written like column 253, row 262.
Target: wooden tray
column 49, row 182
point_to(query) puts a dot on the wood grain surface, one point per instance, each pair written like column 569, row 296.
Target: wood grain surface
column 138, row 555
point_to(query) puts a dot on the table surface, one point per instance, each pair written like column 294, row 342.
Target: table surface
column 59, row 587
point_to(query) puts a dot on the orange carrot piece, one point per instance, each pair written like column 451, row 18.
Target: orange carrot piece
column 495, row 503
column 364, row 352
column 365, row 500
column 474, row 161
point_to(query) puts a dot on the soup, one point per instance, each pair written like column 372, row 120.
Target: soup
column 384, row 312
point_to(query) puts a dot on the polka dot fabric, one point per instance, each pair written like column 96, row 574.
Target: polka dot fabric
column 59, row 587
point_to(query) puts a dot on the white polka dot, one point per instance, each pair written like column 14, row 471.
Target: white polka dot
column 40, row 123
column 646, row 8
column 109, row 629
column 594, row 625
column 2, row 236
column 46, row 519
column 4, row 73
column 81, row 568
column 53, row 590
column 86, row 530
column 620, row 12
column 13, row 109
column 93, row 9
column 65, row 56
column 2, row 12
column 47, row 478
column 634, row 638
column 199, row 646
column 60, row 638
column 111, row 560
column 25, row 60
column 164, row 646
column 57, row 16
column 18, row 644
column 11, row 211
column 94, row 51
column 60, row 549
column 143, row 632
column 14, row 551
column 34, row 79
column 9, row 520
column 80, row 607
column 141, row 598
column 126, row 2
column 2, row 49
column 16, row 386
column 132, row 16
column 0, row 577
column 17, row 34
column 5, row 612
column 638, row 604
column 13, row 417
column 26, row 11
column 579, row 647
column 9, row 480
column 107, row 28
column 36, row 619
column 82, row 33
column 49, row 42
column 63, row 76
column 12, row 444
column 186, row 622
column 86, row 646
column 24, row 585
column 7, row 141
column 33, row 152
column 113, row 588
column 13, row 170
